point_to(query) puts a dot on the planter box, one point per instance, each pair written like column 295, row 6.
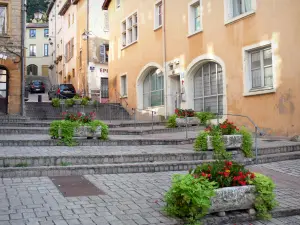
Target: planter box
column 230, row 141
column 77, row 101
column 191, row 121
column 85, row 131
column 233, row 198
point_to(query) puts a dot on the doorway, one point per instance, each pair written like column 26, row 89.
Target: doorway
column 3, row 90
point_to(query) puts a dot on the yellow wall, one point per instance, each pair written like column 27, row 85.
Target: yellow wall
column 81, row 45
column 275, row 20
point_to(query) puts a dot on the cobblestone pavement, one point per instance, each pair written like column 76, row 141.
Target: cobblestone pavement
column 292, row 220
column 129, row 199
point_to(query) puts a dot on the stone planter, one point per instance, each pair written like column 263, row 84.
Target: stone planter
column 191, row 121
column 233, row 198
column 77, row 101
column 230, row 141
column 85, row 131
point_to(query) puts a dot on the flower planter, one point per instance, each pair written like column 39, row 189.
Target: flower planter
column 85, row 131
column 77, row 101
column 233, row 198
column 191, row 121
column 230, row 141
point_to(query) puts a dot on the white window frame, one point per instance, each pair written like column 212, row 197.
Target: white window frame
column 118, row 4
column 6, row 19
column 129, row 27
column 156, row 15
column 47, row 50
column 248, row 91
column 228, row 18
column 191, row 17
column 123, row 92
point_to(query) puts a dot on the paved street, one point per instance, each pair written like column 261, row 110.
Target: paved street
column 34, row 97
column 129, row 199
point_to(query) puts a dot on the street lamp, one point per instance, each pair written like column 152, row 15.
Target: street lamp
column 85, row 35
column 38, row 15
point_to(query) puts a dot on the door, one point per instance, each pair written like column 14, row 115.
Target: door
column 3, row 90
column 45, row 70
column 104, row 89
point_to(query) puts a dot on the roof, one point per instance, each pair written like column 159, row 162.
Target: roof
column 106, row 4
column 66, row 6
column 50, row 6
column 37, row 25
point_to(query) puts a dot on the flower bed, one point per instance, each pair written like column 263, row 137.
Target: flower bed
column 76, row 100
column 224, row 136
column 219, row 187
column 78, row 125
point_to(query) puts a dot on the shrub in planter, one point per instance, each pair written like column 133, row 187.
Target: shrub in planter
column 172, row 121
column 205, row 117
column 218, row 187
column 55, row 102
column 84, row 101
column 70, row 102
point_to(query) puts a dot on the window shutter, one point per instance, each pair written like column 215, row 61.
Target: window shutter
column 102, row 54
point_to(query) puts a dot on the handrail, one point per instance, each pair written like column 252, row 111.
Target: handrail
column 253, row 123
column 120, row 97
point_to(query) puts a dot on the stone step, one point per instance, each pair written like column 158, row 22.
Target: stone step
column 278, row 149
column 112, row 131
column 12, row 119
column 95, row 142
column 114, row 168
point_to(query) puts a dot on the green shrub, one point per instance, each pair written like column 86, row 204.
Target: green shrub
column 265, row 197
column 201, row 142
column 76, row 96
column 104, row 128
column 66, row 128
column 55, row 102
column 247, row 143
column 205, row 117
column 70, row 102
column 95, row 103
column 23, row 164
column 189, row 198
column 84, row 101
column 172, row 121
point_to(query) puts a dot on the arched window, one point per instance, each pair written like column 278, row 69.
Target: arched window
column 32, row 70
column 153, row 88
column 208, row 88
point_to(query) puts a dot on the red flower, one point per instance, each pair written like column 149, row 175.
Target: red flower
column 243, row 183
column 252, row 176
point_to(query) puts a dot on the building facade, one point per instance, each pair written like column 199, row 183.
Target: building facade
column 10, row 57
column 38, row 57
column 222, row 56
column 83, row 60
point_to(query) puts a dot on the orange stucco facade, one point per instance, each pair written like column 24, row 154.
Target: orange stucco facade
column 275, row 22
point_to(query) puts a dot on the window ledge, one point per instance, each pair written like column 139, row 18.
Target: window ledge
column 124, row 96
column 237, row 18
column 192, row 34
column 260, row 92
column 123, row 47
column 157, row 28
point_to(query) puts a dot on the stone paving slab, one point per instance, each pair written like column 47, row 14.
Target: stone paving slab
column 130, row 199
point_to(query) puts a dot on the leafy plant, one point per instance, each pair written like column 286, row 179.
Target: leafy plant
column 54, row 128
column 246, row 143
column 55, row 102
column 205, row 117
column 84, row 101
column 95, row 103
column 69, row 102
column 66, row 164
column 189, row 198
column 172, row 121
column 219, row 147
column 64, row 129
column 201, row 142
column 104, row 128
column 76, row 97
column 265, row 197
column 23, row 164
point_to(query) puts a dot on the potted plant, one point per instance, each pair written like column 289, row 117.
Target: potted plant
column 77, row 99
column 186, row 117
column 219, row 187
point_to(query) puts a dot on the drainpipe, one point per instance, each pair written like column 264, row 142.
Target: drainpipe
column 165, row 58
column 23, row 12
column 87, row 46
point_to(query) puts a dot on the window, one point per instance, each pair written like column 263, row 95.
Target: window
column 32, row 70
column 46, row 32
column 104, row 87
column 3, row 19
column 32, row 50
column 130, row 30
column 153, row 89
column 195, row 17
column 124, row 85
column 32, row 33
column 46, row 50
column 118, row 4
column 69, row 49
column 208, row 88
column 158, row 15
column 236, row 9
column 104, row 53
column 259, row 70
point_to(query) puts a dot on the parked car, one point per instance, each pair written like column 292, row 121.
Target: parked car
column 36, row 86
column 61, row 91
